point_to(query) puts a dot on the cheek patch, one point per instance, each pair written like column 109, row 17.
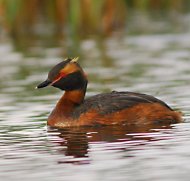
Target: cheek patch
column 61, row 75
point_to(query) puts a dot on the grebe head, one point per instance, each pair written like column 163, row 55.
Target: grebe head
column 67, row 75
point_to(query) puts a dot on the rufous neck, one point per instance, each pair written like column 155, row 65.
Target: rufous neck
column 76, row 96
column 68, row 102
column 65, row 106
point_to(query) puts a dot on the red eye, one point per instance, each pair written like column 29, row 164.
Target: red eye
column 58, row 77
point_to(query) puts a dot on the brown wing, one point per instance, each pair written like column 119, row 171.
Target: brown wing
column 115, row 101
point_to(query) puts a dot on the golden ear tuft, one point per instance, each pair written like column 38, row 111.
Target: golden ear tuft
column 74, row 60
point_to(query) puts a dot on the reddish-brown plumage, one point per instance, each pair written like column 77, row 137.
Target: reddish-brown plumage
column 141, row 113
column 127, row 108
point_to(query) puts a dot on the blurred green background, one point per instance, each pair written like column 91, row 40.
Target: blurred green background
column 69, row 21
column 123, row 45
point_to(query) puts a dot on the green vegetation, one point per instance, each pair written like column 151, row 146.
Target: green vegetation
column 81, row 17
column 48, row 23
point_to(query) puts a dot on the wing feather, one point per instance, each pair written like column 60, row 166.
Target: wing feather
column 115, row 101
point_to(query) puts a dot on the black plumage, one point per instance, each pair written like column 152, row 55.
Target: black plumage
column 71, row 82
column 107, row 108
column 107, row 103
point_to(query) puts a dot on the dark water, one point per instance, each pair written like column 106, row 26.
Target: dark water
column 153, row 64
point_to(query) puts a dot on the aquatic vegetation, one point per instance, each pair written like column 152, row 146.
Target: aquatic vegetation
column 81, row 17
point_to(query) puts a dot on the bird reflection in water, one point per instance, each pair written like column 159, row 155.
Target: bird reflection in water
column 76, row 142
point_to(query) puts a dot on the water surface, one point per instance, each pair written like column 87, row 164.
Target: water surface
column 153, row 64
